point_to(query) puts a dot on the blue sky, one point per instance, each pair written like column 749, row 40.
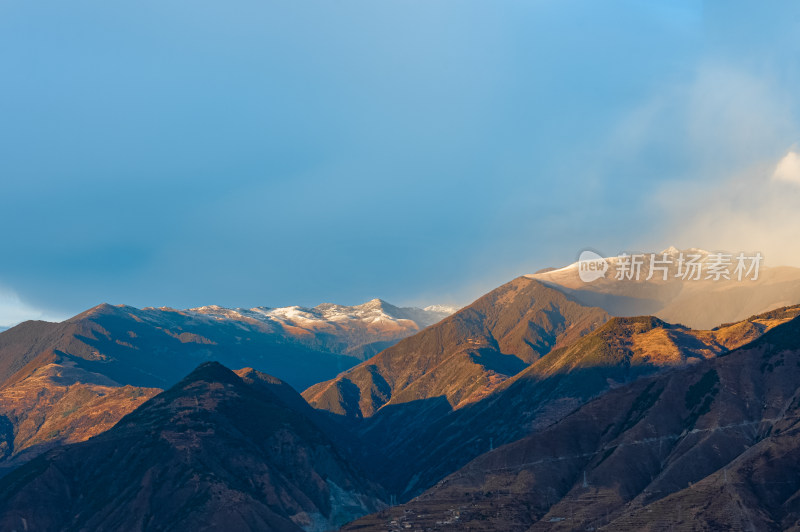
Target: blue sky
column 272, row 153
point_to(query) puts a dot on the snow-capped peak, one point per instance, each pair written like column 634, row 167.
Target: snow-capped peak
column 444, row 309
column 672, row 251
column 328, row 315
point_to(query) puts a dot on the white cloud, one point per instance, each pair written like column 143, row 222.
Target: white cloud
column 788, row 168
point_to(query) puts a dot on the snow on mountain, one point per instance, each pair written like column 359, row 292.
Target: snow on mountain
column 444, row 309
column 570, row 270
column 359, row 330
column 374, row 313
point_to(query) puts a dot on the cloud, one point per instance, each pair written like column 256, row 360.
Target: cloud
column 14, row 310
column 788, row 169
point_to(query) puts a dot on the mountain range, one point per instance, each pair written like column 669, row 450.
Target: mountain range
column 65, row 382
column 542, row 405
column 410, row 441
column 713, row 446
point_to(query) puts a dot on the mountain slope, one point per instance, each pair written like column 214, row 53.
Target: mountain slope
column 711, row 446
column 215, row 451
column 465, row 356
column 59, row 403
column 411, row 446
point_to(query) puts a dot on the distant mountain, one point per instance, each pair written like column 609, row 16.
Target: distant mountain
column 465, row 356
column 700, row 304
column 155, row 347
column 218, row 450
column 711, row 446
column 359, row 331
column 411, row 446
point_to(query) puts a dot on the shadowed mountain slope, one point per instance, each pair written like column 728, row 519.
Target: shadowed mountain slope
column 711, row 446
column 216, row 451
column 413, row 445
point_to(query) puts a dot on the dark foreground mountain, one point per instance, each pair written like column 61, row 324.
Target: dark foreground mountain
column 712, row 446
column 218, row 451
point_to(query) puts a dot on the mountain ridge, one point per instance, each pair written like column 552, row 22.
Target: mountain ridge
column 493, row 338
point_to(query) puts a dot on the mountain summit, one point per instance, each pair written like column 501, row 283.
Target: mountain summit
column 464, row 356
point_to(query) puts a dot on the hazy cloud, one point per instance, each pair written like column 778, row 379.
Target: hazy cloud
column 788, row 168
column 732, row 193
column 750, row 211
